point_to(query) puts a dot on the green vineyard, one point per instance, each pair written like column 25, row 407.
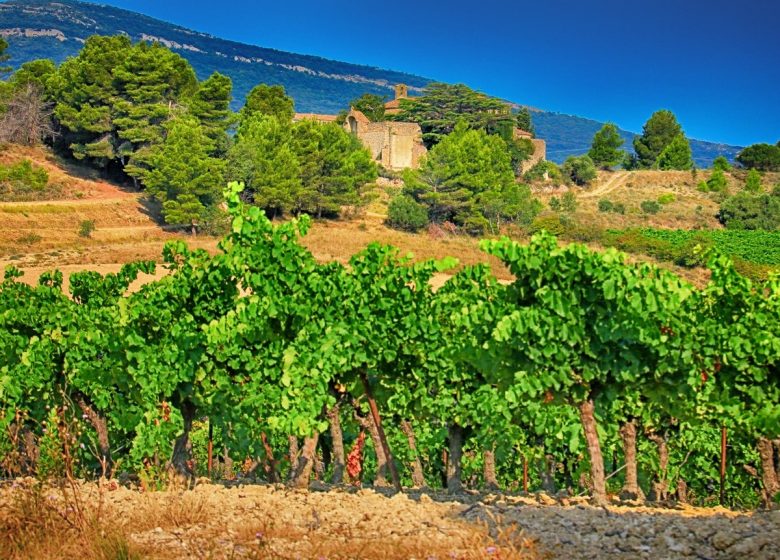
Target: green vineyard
column 585, row 373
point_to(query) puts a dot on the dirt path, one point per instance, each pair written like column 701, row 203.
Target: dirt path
column 616, row 180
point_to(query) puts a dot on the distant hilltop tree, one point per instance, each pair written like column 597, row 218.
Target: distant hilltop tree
column 763, row 157
column 269, row 100
column 677, row 155
column 371, row 105
column 605, row 150
column 524, row 121
column 658, row 132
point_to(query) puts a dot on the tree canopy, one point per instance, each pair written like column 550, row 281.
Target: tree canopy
column 676, row 155
column 443, row 106
column 371, row 105
column 269, row 100
column 658, row 132
column 764, row 157
column 605, row 150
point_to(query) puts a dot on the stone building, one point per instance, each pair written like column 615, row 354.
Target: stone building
column 540, row 148
column 394, row 145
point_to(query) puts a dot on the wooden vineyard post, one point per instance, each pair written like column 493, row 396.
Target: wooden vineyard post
column 211, row 448
column 525, row 474
column 382, row 437
column 723, row 465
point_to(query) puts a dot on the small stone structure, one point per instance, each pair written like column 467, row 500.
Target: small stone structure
column 540, row 148
column 398, row 145
column 394, row 145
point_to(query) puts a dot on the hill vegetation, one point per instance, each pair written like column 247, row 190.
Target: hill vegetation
column 42, row 29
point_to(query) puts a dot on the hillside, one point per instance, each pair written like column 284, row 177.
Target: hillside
column 56, row 30
column 39, row 235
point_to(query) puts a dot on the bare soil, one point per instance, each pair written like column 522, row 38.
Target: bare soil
column 263, row 521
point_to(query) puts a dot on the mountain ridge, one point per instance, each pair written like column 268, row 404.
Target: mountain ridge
column 56, row 30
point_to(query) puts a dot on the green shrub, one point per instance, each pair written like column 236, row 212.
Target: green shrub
column 569, row 202
column 721, row 163
column 619, row 208
column 666, row 198
column 555, row 204
column 550, row 223
column 579, row 169
column 746, row 211
column 86, row 228
column 606, row 205
column 753, row 181
column 717, row 181
column 406, row 214
column 650, row 207
column 544, row 169
column 215, row 221
column 476, row 225
column 30, row 238
column 703, row 187
column 22, row 181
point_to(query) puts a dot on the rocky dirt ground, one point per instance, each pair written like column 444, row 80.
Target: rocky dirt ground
column 258, row 521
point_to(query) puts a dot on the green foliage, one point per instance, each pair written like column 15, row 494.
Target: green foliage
column 270, row 101
column 457, row 171
column 443, row 106
column 264, row 160
column 606, row 205
column 113, row 98
column 542, row 170
column 4, row 56
column 676, row 155
column 605, row 150
column 658, row 132
column 753, row 181
column 747, row 211
column 650, row 207
column 520, row 150
column 406, row 214
column 716, row 183
column 555, row 204
column 211, row 106
column 524, row 121
column 371, row 105
column 721, row 163
column 551, row 223
column 335, row 166
column 183, row 176
column 35, row 72
column 23, row 181
column 569, row 202
column 514, row 204
column 579, row 169
column 763, row 157
column 666, row 198
column 86, row 227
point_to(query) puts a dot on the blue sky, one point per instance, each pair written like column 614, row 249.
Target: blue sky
column 715, row 63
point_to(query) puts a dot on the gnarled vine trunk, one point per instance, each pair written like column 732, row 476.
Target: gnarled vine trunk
column 292, row 455
column 418, row 477
column 660, row 491
column 306, row 460
column 598, row 480
column 367, row 423
column 489, row 469
column 338, row 457
column 631, row 489
column 768, row 473
column 547, row 474
column 100, row 424
column 455, row 438
column 181, row 460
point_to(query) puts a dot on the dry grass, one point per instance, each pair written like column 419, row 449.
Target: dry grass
column 39, row 521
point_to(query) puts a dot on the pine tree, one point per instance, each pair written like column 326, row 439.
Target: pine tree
column 524, row 121
column 677, row 155
column 605, row 149
column 444, row 105
column 182, row 175
column 371, row 105
column 211, row 106
column 263, row 159
column 334, row 167
column 753, row 181
column 269, row 100
column 458, row 170
column 659, row 131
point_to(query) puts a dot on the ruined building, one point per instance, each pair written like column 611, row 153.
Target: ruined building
column 398, row 145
